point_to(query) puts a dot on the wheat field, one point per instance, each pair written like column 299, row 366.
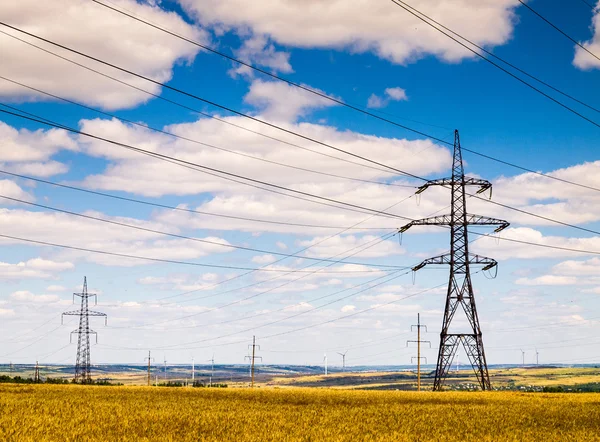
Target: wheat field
column 93, row 413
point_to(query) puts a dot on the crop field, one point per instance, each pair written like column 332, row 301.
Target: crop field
column 94, row 413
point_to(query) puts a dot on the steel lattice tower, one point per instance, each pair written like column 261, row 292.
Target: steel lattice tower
column 83, row 364
column 460, row 288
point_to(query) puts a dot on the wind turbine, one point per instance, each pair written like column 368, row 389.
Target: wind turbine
column 523, row 358
column 343, row 355
column 325, row 363
column 537, row 357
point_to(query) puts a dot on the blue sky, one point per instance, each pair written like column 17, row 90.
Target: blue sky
column 375, row 56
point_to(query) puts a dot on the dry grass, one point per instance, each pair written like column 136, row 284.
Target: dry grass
column 75, row 413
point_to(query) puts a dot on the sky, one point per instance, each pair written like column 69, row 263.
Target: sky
column 190, row 262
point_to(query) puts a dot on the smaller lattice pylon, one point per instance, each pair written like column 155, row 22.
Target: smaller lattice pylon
column 83, row 362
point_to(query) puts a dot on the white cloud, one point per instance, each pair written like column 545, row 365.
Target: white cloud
column 283, row 102
column 258, row 51
column 499, row 249
column 582, row 59
column 348, row 308
column 6, row 312
column 396, row 93
column 263, row 259
column 364, row 26
column 13, row 190
column 281, row 245
column 590, row 267
column 24, row 296
column 55, row 288
column 29, row 152
column 131, row 172
column 37, row 268
column 338, row 245
column 390, row 94
column 548, row 280
column 95, row 30
column 69, row 230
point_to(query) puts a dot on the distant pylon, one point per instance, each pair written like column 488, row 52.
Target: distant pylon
column 252, row 358
column 83, row 364
column 36, row 376
column 460, row 288
column 418, row 342
column 150, row 360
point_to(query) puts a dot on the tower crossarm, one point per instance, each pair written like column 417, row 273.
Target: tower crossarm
column 448, row 182
column 446, row 258
column 446, row 220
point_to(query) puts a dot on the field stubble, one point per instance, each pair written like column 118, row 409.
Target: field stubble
column 91, row 413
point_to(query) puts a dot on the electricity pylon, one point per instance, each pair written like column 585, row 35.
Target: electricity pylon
column 253, row 358
column 150, row 360
column 418, row 341
column 83, row 365
column 36, row 376
column 460, row 288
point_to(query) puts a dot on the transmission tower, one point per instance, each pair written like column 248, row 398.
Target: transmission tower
column 460, row 288
column 253, row 358
column 150, row 360
column 418, row 342
column 83, row 365
column 36, row 376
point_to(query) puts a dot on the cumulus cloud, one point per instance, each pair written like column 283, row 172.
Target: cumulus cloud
column 30, row 152
column 363, row 26
column 69, row 230
column 95, row 30
column 342, row 243
column 502, row 250
column 37, row 268
column 583, row 59
column 264, row 259
column 280, row 101
column 390, row 94
column 25, row 296
column 258, row 51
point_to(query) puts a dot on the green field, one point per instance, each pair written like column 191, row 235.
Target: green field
column 94, row 413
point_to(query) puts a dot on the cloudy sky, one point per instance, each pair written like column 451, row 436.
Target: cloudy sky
column 247, row 236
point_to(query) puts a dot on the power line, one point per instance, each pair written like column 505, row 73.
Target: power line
column 205, row 169
column 559, row 30
column 199, row 112
column 213, row 103
column 158, row 232
column 255, row 295
column 420, row 16
column 183, row 209
column 166, row 261
column 491, row 54
column 263, row 71
column 187, row 164
column 283, row 141
column 144, row 126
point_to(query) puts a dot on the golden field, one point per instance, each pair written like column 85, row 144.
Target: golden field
column 95, row 413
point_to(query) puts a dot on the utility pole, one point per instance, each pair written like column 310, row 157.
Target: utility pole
column 83, row 363
column 418, row 341
column 460, row 288
column 150, row 360
column 253, row 358
column 343, row 355
column 212, row 369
